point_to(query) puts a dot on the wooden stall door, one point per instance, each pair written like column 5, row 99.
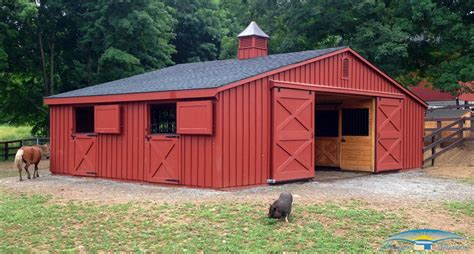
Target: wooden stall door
column 357, row 152
column 389, row 134
column 163, row 161
column 293, row 134
column 327, row 151
column 85, row 154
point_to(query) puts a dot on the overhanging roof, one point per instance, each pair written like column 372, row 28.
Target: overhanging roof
column 200, row 75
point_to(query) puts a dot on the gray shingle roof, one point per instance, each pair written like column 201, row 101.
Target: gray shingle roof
column 198, row 75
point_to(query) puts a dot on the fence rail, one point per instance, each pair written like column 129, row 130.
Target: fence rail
column 454, row 136
column 8, row 148
column 457, row 106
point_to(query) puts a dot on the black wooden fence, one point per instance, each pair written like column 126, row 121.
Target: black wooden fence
column 8, row 148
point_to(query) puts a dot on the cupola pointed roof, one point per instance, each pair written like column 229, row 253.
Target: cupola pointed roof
column 253, row 29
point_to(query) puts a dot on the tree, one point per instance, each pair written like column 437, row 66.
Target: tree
column 200, row 30
column 123, row 38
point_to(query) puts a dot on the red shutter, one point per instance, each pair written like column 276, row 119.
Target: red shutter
column 194, row 117
column 107, row 119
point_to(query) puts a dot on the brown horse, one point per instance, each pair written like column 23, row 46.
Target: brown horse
column 31, row 155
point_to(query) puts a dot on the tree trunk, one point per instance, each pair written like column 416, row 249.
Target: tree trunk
column 51, row 71
column 43, row 63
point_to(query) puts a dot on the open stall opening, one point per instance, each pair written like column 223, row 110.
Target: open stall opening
column 344, row 132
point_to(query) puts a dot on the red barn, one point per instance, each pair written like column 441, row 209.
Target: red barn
column 253, row 120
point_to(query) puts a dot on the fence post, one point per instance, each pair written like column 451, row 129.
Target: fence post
column 433, row 139
column 461, row 125
column 6, row 151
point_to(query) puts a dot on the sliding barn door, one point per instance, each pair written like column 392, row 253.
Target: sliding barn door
column 389, row 134
column 293, row 134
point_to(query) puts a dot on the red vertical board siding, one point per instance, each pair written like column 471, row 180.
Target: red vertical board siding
column 245, row 130
column 60, row 132
column 239, row 151
column 246, row 118
column 121, row 156
column 413, row 124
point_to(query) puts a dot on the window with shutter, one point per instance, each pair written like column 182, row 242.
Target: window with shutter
column 194, row 117
column 107, row 119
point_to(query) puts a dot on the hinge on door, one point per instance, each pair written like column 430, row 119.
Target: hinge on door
column 91, row 173
column 73, row 136
column 172, row 180
column 147, row 137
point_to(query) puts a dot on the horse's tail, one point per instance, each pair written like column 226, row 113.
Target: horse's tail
column 18, row 159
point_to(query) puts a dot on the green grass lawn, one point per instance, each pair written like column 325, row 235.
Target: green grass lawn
column 461, row 207
column 8, row 132
column 35, row 223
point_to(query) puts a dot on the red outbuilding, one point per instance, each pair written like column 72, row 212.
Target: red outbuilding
column 253, row 120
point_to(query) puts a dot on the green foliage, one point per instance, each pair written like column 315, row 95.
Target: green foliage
column 200, row 30
column 228, row 227
column 8, row 132
column 61, row 45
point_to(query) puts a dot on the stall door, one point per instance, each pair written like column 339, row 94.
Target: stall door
column 389, row 134
column 293, row 134
column 163, row 159
column 357, row 132
column 85, row 156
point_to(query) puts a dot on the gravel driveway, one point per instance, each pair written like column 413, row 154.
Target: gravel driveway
column 404, row 187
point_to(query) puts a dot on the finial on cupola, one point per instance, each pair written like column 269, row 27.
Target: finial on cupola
column 253, row 42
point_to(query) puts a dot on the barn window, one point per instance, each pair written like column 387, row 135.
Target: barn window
column 327, row 123
column 345, row 68
column 84, row 119
column 163, row 118
column 355, row 122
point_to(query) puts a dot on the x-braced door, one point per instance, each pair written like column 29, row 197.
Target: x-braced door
column 163, row 159
column 293, row 134
column 389, row 134
column 85, row 156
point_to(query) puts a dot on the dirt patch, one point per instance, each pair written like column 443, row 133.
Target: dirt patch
column 457, row 163
column 7, row 169
column 400, row 188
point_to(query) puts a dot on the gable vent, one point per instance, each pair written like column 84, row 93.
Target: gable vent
column 345, row 68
